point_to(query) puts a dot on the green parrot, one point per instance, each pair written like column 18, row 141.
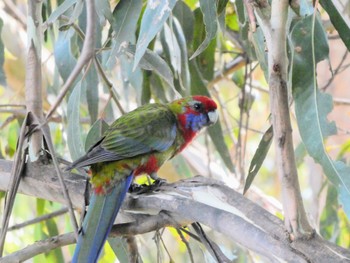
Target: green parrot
column 139, row 142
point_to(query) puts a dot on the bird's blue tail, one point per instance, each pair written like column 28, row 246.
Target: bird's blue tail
column 97, row 224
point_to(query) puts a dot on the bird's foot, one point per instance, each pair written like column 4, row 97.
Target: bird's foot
column 157, row 180
column 136, row 188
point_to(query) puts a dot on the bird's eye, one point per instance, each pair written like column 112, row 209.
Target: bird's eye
column 198, row 106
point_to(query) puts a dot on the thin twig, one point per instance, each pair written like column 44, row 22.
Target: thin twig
column 239, row 62
column 46, row 132
column 39, row 219
column 16, row 173
column 87, row 54
column 183, row 239
column 336, row 71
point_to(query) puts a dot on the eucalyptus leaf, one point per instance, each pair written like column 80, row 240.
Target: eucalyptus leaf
column 186, row 18
column 120, row 248
column 171, row 47
column 152, row 61
column 64, row 59
column 185, row 78
column 60, row 10
column 221, row 6
column 125, row 17
column 338, row 21
column 74, row 134
column 103, row 10
column 91, row 82
column 259, row 157
column 312, row 106
column 208, row 8
column 154, row 17
column 205, row 60
column 95, row 133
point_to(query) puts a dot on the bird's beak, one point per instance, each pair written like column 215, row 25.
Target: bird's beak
column 212, row 117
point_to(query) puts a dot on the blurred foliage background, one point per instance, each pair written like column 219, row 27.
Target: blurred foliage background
column 155, row 51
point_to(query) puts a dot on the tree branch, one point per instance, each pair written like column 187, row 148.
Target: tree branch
column 181, row 203
column 33, row 83
column 274, row 25
column 87, row 54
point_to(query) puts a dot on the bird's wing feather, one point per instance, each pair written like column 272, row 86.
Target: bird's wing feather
column 147, row 129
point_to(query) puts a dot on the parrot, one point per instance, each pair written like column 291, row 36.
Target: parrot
column 139, row 142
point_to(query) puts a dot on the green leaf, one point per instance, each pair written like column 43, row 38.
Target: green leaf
column 2, row 57
column 103, row 10
column 171, row 47
column 156, row 13
column 152, row 61
column 185, row 79
column 185, row 16
column 208, row 8
column 221, row 5
column 125, row 17
column 338, row 21
column 258, row 42
column 74, row 134
column 95, row 133
column 205, row 60
column 91, row 83
column 120, row 248
column 60, row 10
column 63, row 55
column 344, row 198
column 329, row 220
column 312, row 106
column 259, row 157
column 216, row 134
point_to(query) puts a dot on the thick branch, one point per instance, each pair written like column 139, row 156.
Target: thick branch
column 33, row 83
column 198, row 199
column 275, row 31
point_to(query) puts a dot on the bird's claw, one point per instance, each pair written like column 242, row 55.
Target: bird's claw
column 159, row 181
column 136, row 188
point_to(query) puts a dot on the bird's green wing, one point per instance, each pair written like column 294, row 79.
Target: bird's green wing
column 147, row 129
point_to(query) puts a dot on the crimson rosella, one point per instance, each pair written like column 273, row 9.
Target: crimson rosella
column 139, row 142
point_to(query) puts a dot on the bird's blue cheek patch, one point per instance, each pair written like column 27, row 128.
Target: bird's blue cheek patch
column 195, row 122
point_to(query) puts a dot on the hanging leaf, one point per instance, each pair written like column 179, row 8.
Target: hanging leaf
column 338, row 21
column 74, row 135
column 186, row 19
column 60, row 10
column 103, row 10
column 152, row 61
column 171, row 47
column 221, row 5
column 208, row 8
column 64, row 59
column 95, row 133
column 125, row 17
column 120, row 248
column 156, row 13
column 205, row 60
column 185, row 78
column 312, row 106
column 91, row 83
column 259, row 157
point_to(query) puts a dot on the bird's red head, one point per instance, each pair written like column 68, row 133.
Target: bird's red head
column 208, row 103
column 194, row 113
